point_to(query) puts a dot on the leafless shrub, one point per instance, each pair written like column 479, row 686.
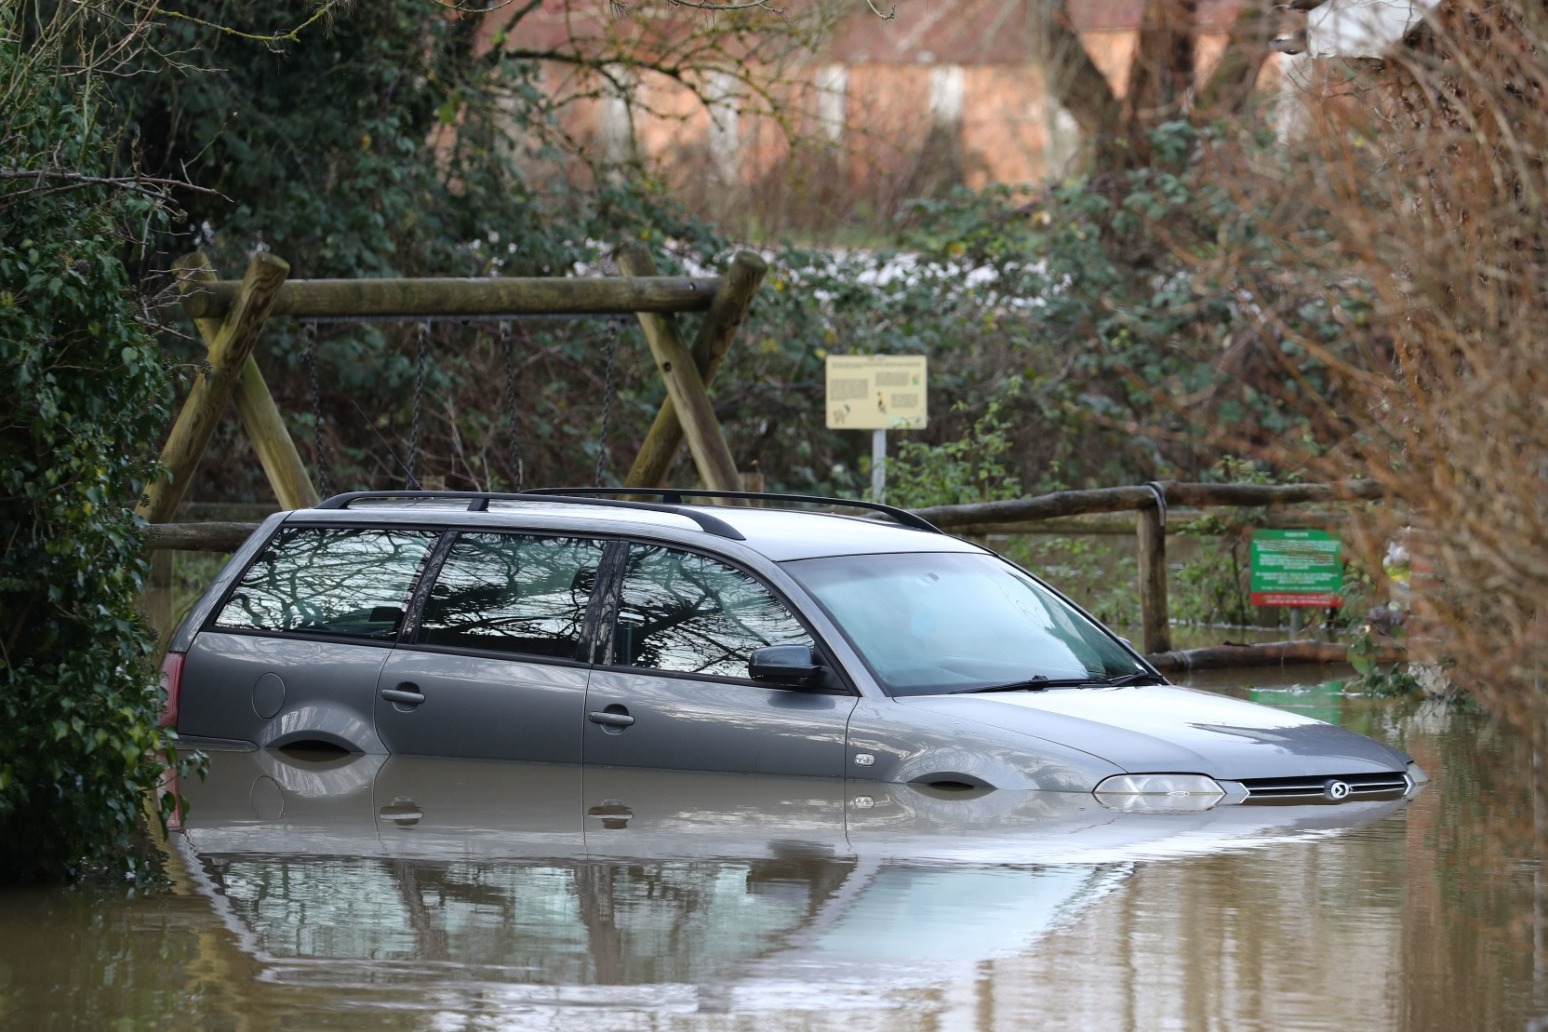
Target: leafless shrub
column 1425, row 172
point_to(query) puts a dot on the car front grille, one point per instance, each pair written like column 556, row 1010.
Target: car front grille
column 1323, row 788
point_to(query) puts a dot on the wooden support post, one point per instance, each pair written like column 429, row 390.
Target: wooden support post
column 255, row 405
column 1155, row 622
column 212, row 390
column 155, row 601
column 716, row 332
column 684, row 385
column 271, row 439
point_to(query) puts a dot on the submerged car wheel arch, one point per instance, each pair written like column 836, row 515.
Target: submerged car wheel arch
column 1043, row 773
column 910, row 745
column 325, row 725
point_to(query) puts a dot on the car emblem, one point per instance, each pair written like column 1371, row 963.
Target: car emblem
column 1336, row 791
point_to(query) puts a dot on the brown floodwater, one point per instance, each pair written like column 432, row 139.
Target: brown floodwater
column 395, row 893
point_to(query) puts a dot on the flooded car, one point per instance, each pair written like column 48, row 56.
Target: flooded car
column 771, row 638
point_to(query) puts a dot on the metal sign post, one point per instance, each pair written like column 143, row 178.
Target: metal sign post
column 877, row 393
column 878, row 465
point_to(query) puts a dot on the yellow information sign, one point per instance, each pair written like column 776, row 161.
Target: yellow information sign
column 876, row 392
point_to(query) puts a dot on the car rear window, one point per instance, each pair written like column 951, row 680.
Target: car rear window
column 349, row 582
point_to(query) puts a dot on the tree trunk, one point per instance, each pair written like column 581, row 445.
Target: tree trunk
column 1162, row 82
column 1161, row 74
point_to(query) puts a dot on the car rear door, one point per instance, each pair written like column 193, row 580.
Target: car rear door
column 675, row 692
column 294, row 652
column 497, row 664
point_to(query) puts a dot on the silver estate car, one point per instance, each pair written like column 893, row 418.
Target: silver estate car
column 770, row 638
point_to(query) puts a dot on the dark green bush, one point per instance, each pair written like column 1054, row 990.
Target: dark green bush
column 83, row 402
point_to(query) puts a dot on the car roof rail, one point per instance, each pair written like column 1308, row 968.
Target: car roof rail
column 478, row 501
column 676, row 496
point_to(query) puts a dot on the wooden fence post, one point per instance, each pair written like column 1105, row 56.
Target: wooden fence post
column 1155, row 622
column 212, row 390
column 155, row 601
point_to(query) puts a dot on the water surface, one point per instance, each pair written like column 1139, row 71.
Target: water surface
column 396, row 893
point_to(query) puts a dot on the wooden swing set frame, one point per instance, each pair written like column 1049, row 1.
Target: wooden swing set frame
column 230, row 317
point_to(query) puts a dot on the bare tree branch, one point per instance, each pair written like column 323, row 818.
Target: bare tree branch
column 156, row 9
column 705, row 5
column 59, row 179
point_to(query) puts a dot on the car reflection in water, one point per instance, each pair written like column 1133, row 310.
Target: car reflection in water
column 439, row 881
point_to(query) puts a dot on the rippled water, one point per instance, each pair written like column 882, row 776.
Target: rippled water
column 394, row 893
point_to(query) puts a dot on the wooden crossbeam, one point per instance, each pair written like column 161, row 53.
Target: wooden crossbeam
column 467, row 297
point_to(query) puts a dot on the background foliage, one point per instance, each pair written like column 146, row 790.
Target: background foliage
column 1085, row 295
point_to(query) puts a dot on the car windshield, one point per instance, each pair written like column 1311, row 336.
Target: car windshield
column 927, row 623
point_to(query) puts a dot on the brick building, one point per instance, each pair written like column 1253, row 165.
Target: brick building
column 945, row 92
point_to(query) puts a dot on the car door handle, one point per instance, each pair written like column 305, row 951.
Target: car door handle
column 610, row 719
column 407, row 694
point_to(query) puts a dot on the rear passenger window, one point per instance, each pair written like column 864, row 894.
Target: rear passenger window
column 352, row 582
column 683, row 612
column 513, row 593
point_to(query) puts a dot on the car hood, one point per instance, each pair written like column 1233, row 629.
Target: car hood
column 1165, row 728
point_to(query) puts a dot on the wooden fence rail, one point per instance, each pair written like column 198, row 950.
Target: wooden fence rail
column 982, row 517
column 1150, row 502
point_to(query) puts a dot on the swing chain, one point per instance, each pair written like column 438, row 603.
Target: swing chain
column 507, row 351
column 607, row 395
column 422, row 336
column 309, row 335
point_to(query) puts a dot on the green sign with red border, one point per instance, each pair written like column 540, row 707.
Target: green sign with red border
column 1297, row 568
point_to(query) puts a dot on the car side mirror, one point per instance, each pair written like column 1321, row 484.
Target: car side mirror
column 784, row 664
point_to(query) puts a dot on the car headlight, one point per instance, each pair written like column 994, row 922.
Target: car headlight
column 1416, row 774
column 1159, row 792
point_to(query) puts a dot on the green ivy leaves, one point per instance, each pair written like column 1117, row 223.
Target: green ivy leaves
column 83, row 400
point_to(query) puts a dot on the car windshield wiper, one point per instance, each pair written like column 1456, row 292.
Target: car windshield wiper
column 1040, row 683
column 1031, row 684
column 1131, row 680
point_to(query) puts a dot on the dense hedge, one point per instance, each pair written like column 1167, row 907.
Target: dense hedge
column 83, row 401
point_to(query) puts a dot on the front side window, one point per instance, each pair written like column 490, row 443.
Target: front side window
column 932, row 622
column 513, row 593
column 352, row 582
column 686, row 613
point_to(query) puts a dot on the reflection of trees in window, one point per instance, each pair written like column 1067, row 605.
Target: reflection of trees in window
column 687, row 613
column 513, row 593
column 353, row 582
